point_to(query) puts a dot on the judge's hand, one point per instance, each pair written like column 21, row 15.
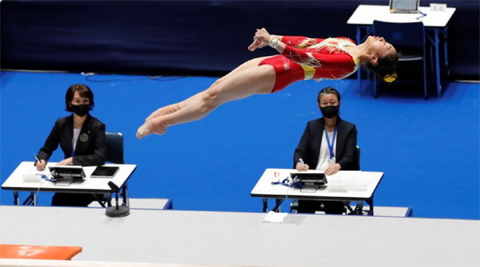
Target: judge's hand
column 302, row 167
column 260, row 40
column 40, row 165
column 333, row 169
column 68, row 161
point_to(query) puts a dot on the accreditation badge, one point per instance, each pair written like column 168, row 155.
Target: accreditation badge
column 331, row 162
column 84, row 137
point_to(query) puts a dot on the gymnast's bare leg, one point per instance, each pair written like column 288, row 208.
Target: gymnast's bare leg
column 174, row 107
column 246, row 80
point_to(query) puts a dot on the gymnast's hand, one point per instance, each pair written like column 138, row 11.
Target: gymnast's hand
column 260, row 40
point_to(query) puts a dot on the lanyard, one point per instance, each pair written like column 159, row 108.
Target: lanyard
column 330, row 146
column 288, row 182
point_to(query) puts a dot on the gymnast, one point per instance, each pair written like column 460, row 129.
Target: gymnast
column 301, row 58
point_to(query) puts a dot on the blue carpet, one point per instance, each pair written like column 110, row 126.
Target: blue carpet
column 429, row 150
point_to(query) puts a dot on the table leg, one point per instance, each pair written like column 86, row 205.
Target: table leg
column 15, row 198
column 370, row 203
column 265, row 204
column 359, row 71
column 359, row 208
column 437, row 62
column 125, row 195
column 445, row 47
column 99, row 200
column 29, row 200
column 278, row 203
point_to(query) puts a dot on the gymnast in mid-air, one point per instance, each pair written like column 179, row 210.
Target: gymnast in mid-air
column 300, row 58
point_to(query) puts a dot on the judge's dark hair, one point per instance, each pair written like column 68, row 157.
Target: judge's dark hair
column 328, row 90
column 83, row 91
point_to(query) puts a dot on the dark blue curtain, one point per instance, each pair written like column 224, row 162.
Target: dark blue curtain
column 188, row 37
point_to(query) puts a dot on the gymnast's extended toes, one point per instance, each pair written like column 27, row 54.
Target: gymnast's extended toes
column 143, row 131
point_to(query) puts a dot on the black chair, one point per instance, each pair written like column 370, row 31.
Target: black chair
column 114, row 143
column 356, row 159
column 409, row 40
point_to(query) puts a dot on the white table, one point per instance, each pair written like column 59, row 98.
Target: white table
column 16, row 182
column 342, row 186
column 242, row 239
column 435, row 21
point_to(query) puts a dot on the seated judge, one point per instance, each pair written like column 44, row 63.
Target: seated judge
column 81, row 137
column 329, row 144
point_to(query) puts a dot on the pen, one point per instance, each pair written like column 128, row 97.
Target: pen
column 36, row 159
column 301, row 161
column 422, row 15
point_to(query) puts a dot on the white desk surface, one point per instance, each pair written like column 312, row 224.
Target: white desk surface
column 16, row 180
column 345, row 185
column 242, row 239
column 366, row 14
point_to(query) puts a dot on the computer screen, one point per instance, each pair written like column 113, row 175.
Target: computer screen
column 404, row 5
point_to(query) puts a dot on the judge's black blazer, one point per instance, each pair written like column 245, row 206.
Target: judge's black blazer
column 309, row 146
column 91, row 148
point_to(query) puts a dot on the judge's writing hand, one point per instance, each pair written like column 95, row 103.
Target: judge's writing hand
column 40, row 165
column 302, row 167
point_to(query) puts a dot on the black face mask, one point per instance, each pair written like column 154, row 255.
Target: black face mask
column 330, row 111
column 80, row 110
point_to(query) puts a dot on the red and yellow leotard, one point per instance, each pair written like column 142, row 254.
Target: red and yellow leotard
column 312, row 58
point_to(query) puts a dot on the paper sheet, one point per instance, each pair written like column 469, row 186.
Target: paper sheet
column 274, row 217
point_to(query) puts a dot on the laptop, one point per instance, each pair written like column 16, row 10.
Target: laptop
column 309, row 179
column 67, row 173
column 404, row 6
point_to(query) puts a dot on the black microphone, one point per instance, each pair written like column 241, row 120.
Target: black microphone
column 117, row 211
column 114, row 187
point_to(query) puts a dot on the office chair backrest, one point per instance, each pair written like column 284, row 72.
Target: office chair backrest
column 404, row 35
column 114, row 148
column 356, row 160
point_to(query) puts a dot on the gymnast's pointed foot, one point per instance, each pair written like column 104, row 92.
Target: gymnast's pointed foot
column 153, row 126
column 143, row 131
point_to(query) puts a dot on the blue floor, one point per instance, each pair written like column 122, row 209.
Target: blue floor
column 429, row 150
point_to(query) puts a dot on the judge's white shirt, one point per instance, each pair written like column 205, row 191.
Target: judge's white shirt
column 324, row 155
column 76, row 133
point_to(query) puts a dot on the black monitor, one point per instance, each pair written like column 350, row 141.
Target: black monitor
column 309, row 179
column 67, row 173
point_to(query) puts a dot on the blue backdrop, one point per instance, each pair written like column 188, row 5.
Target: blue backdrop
column 429, row 150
